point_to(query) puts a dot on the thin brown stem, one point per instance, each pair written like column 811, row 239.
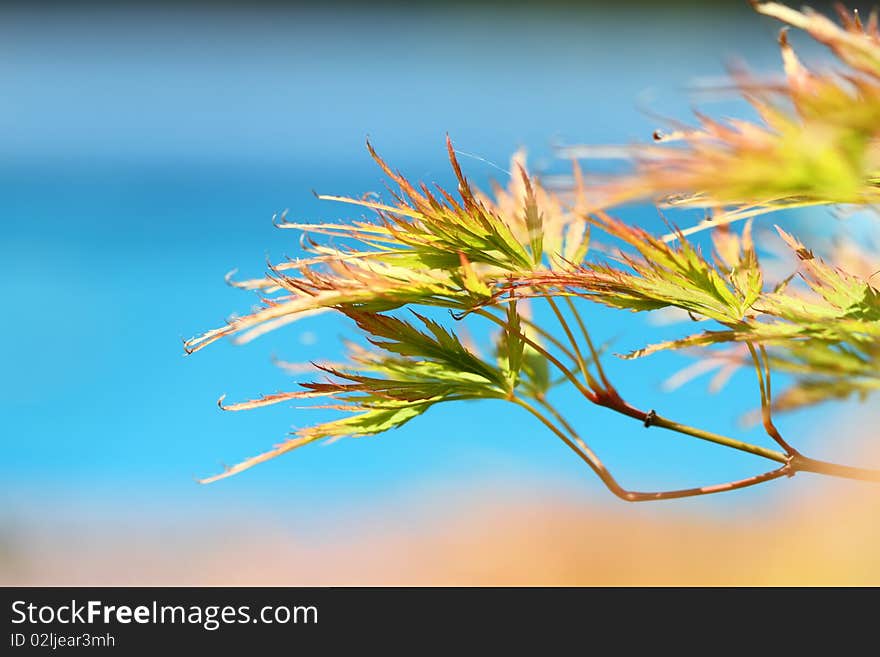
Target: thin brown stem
column 762, row 370
column 801, row 463
column 718, row 439
column 557, row 415
column 793, row 461
column 613, row 401
column 594, row 353
column 712, row 489
column 552, row 339
column 576, row 444
column 580, row 357
column 584, row 452
column 589, row 394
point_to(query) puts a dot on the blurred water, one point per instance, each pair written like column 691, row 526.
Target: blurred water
column 142, row 155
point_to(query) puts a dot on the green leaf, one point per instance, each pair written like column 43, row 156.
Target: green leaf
column 438, row 345
column 513, row 343
column 533, row 220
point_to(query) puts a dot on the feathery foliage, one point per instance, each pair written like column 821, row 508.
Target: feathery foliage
column 489, row 257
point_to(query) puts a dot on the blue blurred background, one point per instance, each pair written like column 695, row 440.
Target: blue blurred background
column 144, row 152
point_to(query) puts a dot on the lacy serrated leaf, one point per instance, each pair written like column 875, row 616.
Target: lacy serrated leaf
column 817, row 141
column 412, row 371
column 372, row 421
column 438, row 345
column 659, row 275
column 511, row 344
column 426, row 248
column 533, row 220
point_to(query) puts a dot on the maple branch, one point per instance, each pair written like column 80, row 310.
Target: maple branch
column 792, row 462
column 610, row 399
column 577, row 445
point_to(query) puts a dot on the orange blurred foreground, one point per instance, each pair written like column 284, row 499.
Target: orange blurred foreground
column 830, row 538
